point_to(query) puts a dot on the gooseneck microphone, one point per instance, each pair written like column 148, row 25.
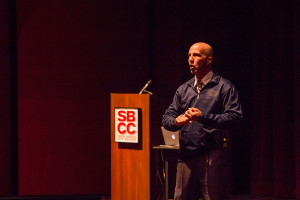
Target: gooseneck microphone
column 144, row 88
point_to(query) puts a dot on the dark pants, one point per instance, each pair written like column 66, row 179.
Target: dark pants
column 203, row 177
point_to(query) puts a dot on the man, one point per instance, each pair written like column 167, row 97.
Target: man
column 202, row 108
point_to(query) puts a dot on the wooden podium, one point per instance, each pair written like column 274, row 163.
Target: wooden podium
column 130, row 167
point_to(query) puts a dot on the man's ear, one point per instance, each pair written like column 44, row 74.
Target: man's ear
column 209, row 60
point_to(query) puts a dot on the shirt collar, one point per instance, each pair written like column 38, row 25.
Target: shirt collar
column 206, row 78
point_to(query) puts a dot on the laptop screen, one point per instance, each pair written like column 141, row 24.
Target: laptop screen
column 171, row 138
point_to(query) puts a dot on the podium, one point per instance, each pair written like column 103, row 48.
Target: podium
column 130, row 162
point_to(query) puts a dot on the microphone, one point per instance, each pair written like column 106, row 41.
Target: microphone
column 144, row 88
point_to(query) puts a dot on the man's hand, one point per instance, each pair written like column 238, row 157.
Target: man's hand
column 193, row 114
column 182, row 120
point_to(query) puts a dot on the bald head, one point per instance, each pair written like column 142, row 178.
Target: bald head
column 200, row 59
column 205, row 48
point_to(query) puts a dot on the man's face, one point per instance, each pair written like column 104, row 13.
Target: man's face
column 198, row 60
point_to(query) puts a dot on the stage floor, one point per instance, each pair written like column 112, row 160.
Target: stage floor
column 251, row 197
column 239, row 197
column 99, row 197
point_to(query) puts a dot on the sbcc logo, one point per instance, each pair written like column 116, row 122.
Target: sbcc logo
column 126, row 122
column 126, row 125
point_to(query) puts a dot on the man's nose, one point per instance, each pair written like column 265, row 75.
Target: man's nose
column 191, row 59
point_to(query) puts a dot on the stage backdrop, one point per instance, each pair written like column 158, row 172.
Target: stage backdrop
column 5, row 100
column 73, row 54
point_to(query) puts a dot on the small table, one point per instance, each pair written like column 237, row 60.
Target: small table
column 166, row 148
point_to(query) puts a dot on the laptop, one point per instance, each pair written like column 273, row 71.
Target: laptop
column 171, row 138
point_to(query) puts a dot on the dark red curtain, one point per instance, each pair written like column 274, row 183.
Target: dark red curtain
column 73, row 54
column 5, row 99
column 275, row 101
column 297, row 96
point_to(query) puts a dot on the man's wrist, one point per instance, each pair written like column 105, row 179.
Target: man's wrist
column 201, row 117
